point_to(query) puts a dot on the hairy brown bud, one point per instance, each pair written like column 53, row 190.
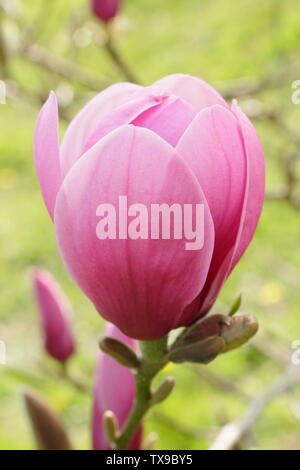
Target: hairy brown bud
column 120, row 351
column 216, row 334
column 163, row 391
column 48, row 430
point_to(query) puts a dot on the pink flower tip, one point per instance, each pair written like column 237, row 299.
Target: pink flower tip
column 105, row 10
column 59, row 341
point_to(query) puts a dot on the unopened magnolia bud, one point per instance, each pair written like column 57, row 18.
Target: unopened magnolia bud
column 240, row 330
column 47, row 427
column 163, row 391
column 203, row 329
column 105, row 10
column 120, row 351
column 55, row 312
column 111, row 427
column 201, row 352
column 208, row 338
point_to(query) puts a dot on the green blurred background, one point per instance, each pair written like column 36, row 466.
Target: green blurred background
column 221, row 41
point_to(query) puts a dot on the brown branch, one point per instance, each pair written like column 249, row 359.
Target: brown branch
column 233, row 433
column 58, row 65
column 220, row 383
column 250, row 86
column 267, row 345
column 113, row 52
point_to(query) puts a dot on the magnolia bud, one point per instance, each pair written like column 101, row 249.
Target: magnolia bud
column 111, row 427
column 201, row 352
column 120, row 351
column 163, row 391
column 105, row 10
column 208, row 338
column 240, row 330
column 55, row 316
column 48, row 430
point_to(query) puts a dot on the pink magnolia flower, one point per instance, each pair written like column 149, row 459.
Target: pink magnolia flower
column 55, row 316
column 105, row 10
column 114, row 391
column 176, row 141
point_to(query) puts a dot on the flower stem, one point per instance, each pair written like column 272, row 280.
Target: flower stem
column 116, row 57
column 153, row 360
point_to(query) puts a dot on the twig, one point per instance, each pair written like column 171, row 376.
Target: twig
column 242, row 87
column 288, row 164
column 220, row 383
column 41, row 56
column 233, row 433
column 272, row 349
column 113, row 52
column 69, row 377
column 250, row 86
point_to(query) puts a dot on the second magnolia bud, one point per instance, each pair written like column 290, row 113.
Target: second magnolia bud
column 105, row 10
column 55, row 313
column 208, row 338
column 163, row 391
column 120, row 351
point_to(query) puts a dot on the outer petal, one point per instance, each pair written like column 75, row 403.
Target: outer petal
column 250, row 213
column 254, row 197
column 141, row 285
column 46, row 150
column 191, row 89
column 214, row 149
column 55, row 315
column 166, row 115
column 114, row 391
column 86, row 121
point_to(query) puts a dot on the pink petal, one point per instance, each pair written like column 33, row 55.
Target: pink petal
column 168, row 121
column 168, row 116
column 47, row 154
column 191, row 89
column 114, row 391
column 141, row 285
column 249, row 216
column 254, row 198
column 55, row 315
column 86, row 121
column 214, row 149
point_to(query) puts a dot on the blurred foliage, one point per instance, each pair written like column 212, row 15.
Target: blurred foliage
column 218, row 40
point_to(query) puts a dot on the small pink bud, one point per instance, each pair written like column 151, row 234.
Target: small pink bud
column 114, row 392
column 55, row 315
column 105, row 10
